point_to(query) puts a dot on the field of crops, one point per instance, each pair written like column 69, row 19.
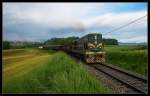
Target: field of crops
column 133, row 58
column 37, row 71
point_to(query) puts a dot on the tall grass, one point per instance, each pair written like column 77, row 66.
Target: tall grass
column 50, row 73
column 133, row 58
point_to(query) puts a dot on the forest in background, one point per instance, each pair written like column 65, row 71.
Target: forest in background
column 52, row 41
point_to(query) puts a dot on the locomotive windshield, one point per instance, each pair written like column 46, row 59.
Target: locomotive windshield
column 95, row 42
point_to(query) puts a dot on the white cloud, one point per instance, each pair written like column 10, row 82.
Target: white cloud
column 48, row 13
column 115, row 20
column 80, row 16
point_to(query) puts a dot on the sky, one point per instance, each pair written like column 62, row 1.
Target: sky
column 42, row 21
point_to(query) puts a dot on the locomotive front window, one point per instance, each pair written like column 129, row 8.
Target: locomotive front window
column 95, row 37
column 95, row 42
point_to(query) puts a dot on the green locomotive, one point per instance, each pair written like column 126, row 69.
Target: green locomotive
column 90, row 48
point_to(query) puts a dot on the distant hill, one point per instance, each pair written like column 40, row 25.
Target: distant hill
column 129, row 44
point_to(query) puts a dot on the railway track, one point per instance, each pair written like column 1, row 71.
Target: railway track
column 135, row 83
column 119, row 80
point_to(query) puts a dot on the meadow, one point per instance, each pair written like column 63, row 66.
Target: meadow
column 133, row 58
column 39, row 71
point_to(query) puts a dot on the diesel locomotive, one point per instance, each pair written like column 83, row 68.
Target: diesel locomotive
column 89, row 48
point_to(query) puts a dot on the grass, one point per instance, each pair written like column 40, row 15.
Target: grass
column 133, row 58
column 47, row 72
column 17, row 55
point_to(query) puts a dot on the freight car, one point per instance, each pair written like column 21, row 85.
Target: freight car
column 54, row 47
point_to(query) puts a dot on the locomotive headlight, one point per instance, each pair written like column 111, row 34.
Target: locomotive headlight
column 99, row 45
column 91, row 47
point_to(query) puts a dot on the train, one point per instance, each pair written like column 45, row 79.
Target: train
column 89, row 48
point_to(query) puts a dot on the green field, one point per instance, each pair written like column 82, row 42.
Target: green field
column 133, row 58
column 37, row 71
column 41, row 71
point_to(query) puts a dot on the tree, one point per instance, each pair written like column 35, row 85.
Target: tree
column 70, row 40
column 60, row 41
column 24, row 44
column 6, row 45
column 110, row 41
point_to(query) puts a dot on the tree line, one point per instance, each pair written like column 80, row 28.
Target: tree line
column 19, row 44
column 110, row 41
column 52, row 41
column 70, row 40
column 61, row 41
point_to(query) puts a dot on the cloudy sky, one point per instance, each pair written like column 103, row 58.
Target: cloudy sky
column 42, row 21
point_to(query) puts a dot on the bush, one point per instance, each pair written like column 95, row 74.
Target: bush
column 110, row 41
column 6, row 45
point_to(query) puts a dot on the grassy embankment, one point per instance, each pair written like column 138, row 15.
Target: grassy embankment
column 133, row 58
column 34, row 71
